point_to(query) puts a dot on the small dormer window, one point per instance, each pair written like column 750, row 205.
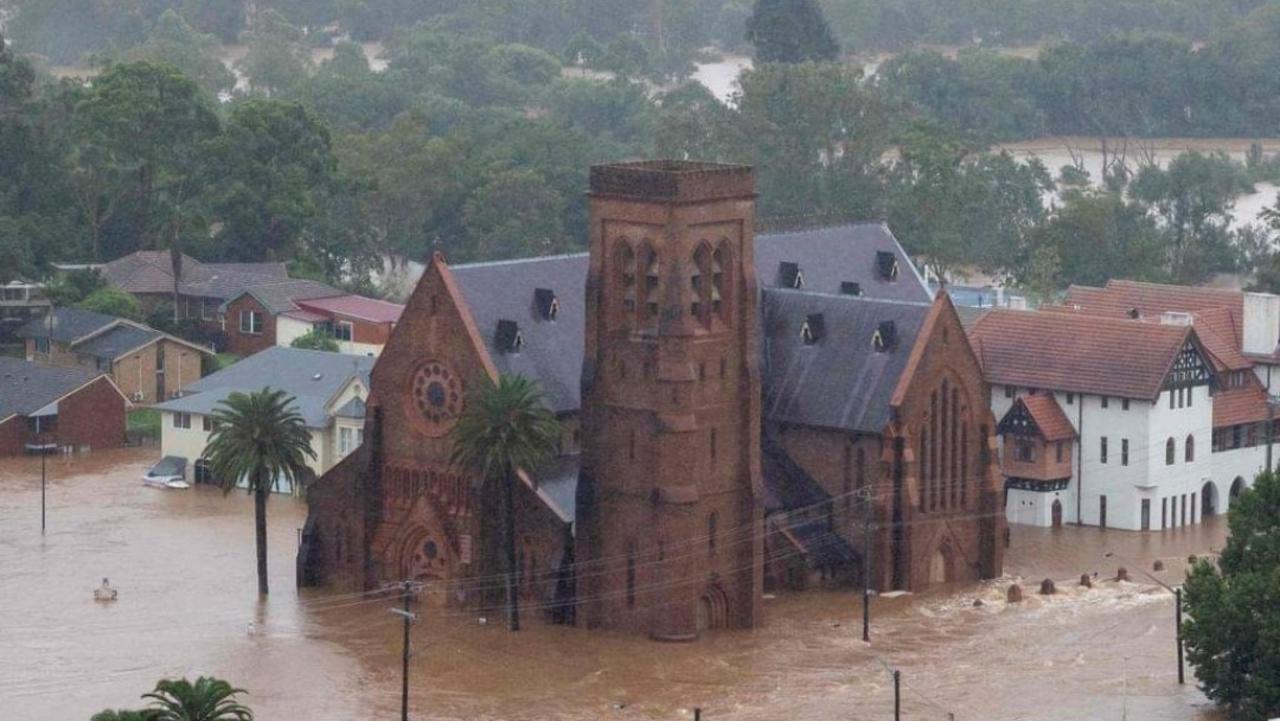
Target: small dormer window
column 789, row 275
column 887, row 265
column 813, row 330
column 546, row 302
column 1134, row 313
column 509, row 338
column 885, row 337
column 850, row 288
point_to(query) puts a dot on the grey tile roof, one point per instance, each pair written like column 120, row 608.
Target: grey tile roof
column 787, row 486
column 558, row 484
column 840, row 381
column 151, row 271
column 117, row 341
column 278, row 296
column 552, row 353
column 828, row 257
column 354, row 408
column 27, row 387
column 553, row 349
column 66, row 325
column 311, row 377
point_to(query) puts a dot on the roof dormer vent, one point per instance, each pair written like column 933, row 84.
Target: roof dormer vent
column 813, row 330
column 509, row 338
column 789, row 275
column 887, row 265
column 885, row 337
column 544, row 299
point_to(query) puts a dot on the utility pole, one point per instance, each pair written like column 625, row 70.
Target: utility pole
column 43, row 454
column 1177, row 615
column 866, row 568
column 897, row 695
column 407, row 589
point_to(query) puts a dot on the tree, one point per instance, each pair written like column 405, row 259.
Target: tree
column 515, row 214
column 790, row 31
column 74, row 286
column 1098, row 236
column 278, row 60
column 122, row 715
column 1232, row 634
column 208, row 699
column 173, row 41
column 112, row 302
column 315, row 339
column 259, row 439
column 505, row 429
column 274, row 162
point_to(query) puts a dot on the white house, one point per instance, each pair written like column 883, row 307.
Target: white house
column 329, row 391
column 1162, row 431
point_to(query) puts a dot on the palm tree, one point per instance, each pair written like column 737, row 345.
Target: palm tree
column 506, row 427
column 208, row 699
column 259, row 437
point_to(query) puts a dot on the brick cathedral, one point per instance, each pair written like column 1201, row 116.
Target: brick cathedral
column 739, row 411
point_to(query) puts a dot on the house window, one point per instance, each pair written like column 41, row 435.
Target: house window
column 1189, row 450
column 206, row 424
column 1124, row 451
column 102, row 364
column 1170, row 399
column 1106, row 402
column 182, row 420
column 1008, row 391
column 42, row 424
column 1102, row 450
column 208, row 309
column 1059, row 450
column 713, row 446
column 711, row 533
column 349, row 439
column 1191, row 396
column 1124, row 404
column 1024, row 451
column 42, row 345
column 251, row 322
column 1071, row 398
column 342, row 331
column 1182, row 397
column 1170, row 450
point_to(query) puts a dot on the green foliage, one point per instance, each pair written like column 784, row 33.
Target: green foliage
column 144, row 423
column 316, row 340
column 174, row 41
column 113, row 302
column 1097, row 236
column 258, row 439
column 122, row 715
column 208, row 699
column 791, row 31
column 278, row 59
column 74, row 286
column 1232, row 633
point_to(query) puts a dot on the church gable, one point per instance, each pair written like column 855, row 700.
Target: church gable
column 941, row 348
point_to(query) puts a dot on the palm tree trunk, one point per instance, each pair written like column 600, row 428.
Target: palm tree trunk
column 509, row 541
column 260, row 529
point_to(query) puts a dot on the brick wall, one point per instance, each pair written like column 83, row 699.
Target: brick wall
column 93, row 416
column 136, row 373
column 244, row 344
column 13, row 433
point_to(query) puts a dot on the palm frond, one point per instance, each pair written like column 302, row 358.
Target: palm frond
column 259, row 437
column 208, row 699
column 506, row 426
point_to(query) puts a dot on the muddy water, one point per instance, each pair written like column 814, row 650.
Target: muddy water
column 183, row 563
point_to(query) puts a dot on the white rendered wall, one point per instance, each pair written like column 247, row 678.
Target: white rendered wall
column 289, row 329
column 1261, row 322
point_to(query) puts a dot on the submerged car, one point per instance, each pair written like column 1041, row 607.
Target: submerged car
column 169, row 472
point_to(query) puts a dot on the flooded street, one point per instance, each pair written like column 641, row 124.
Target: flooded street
column 183, row 564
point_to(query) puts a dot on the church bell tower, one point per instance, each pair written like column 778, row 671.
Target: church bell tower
column 669, row 513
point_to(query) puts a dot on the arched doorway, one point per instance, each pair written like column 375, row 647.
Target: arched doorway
column 940, row 565
column 713, row 610
column 1237, row 487
column 1209, row 500
column 1056, row 512
column 423, row 559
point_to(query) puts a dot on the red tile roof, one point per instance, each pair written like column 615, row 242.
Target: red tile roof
column 1077, row 353
column 1219, row 331
column 1240, row 405
column 1152, row 299
column 356, row 306
column 1049, row 417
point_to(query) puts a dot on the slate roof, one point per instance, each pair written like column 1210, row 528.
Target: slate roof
column 356, row 306
column 312, row 377
column 1048, row 416
column 354, row 408
column 553, row 349
column 117, row 341
column 558, row 485
column 841, row 381
column 280, row 296
column 1077, row 352
column 27, row 387
column 787, row 486
column 827, row 257
column 66, row 325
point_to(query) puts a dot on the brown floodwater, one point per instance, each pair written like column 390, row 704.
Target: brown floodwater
column 183, row 563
